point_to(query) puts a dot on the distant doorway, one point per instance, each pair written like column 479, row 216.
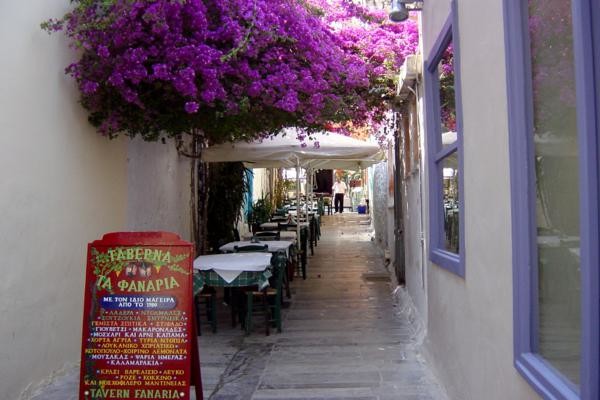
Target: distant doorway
column 324, row 181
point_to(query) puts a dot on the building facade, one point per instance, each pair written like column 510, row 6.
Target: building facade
column 63, row 185
column 505, row 196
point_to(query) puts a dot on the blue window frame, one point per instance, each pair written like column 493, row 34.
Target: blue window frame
column 551, row 377
column 444, row 144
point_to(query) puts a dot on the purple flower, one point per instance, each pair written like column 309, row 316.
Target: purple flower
column 256, row 65
column 191, row 107
column 89, row 87
column 103, row 52
column 160, row 71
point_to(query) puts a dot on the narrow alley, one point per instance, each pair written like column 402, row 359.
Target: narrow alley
column 344, row 336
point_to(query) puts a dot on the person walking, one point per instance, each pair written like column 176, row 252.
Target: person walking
column 339, row 191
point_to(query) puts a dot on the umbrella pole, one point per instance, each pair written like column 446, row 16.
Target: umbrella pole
column 310, row 170
column 298, row 201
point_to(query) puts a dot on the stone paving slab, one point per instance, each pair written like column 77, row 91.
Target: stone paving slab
column 344, row 336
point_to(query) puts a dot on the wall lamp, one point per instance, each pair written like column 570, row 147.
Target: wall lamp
column 400, row 9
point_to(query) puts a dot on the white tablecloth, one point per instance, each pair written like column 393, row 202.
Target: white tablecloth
column 230, row 265
column 274, row 245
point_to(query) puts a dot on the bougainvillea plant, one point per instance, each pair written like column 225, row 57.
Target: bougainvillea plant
column 231, row 69
column 383, row 46
column 552, row 68
column 447, row 94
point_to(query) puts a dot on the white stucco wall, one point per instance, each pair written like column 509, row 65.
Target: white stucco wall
column 62, row 186
column 260, row 183
column 415, row 256
column 470, row 338
column 415, row 214
column 379, row 204
column 159, row 188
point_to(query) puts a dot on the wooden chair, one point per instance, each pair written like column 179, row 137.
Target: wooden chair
column 301, row 249
column 238, row 308
column 206, row 304
column 268, row 301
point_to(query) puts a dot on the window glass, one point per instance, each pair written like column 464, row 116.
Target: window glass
column 557, row 185
column 447, row 97
column 450, row 202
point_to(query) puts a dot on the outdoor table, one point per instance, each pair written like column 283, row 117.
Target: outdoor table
column 315, row 227
column 275, row 225
column 273, row 245
column 302, row 243
column 283, row 235
column 294, row 213
column 313, row 224
column 269, row 226
column 232, row 270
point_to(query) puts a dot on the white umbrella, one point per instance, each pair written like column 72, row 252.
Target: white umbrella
column 323, row 150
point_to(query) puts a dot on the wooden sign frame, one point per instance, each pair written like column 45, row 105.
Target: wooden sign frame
column 139, row 336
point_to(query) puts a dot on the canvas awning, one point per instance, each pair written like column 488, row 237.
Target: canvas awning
column 285, row 150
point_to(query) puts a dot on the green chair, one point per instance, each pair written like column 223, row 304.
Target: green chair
column 238, row 309
column 268, row 301
column 275, row 291
column 206, row 300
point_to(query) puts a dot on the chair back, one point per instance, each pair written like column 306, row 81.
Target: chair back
column 279, row 263
column 251, row 248
column 286, row 226
column 267, row 235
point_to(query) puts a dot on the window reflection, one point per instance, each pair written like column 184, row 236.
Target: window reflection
column 451, row 202
column 447, row 99
column 557, row 185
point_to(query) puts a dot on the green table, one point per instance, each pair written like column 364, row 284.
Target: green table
column 246, row 278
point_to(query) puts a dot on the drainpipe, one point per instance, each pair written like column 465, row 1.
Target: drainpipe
column 398, row 202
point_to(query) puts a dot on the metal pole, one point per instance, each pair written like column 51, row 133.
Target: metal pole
column 298, row 200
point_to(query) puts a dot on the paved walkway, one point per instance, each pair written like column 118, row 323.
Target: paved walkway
column 344, row 336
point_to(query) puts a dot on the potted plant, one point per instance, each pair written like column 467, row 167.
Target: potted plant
column 259, row 213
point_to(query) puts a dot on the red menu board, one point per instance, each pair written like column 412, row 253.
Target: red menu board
column 139, row 340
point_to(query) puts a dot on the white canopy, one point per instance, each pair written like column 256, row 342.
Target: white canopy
column 285, row 150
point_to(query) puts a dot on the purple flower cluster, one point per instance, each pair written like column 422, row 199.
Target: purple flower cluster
column 230, row 68
column 447, row 93
column 381, row 47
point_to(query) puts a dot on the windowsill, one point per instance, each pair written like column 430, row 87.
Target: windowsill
column 544, row 379
column 449, row 261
